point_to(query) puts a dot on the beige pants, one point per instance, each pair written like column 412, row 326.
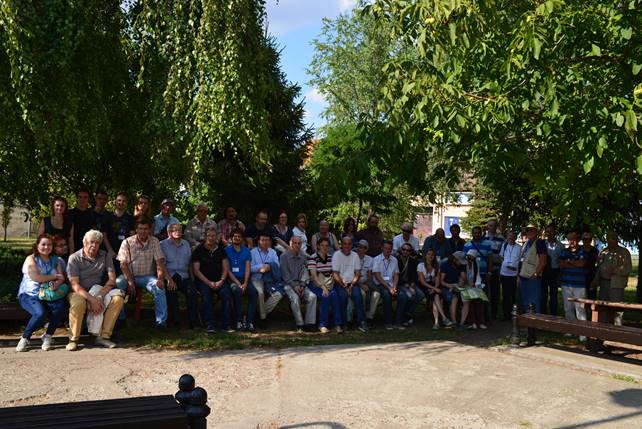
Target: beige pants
column 78, row 308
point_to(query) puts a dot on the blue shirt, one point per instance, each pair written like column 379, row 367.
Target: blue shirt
column 259, row 258
column 484, row 249
column 161, row 222
column 177, row 256
column 237, row 260
column 451, row 273
column 573, row 276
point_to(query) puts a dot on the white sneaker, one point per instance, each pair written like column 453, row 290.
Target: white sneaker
column 46, row 342
column 71, row 346
column 324, row 330
column 338, row 329
column 582, row 338
column 239, row 326
column 100, row 341
column 482, row 326
column 435, row 327
column 22, row 345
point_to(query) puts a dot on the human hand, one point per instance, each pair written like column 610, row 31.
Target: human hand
column 96, row 305
column 131, row 288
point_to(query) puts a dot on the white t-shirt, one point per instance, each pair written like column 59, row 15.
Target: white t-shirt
column 386, row 267
column 510, row 254
column 398, row 241
column 304, row 239
column 346, row 265
column 366, row 265
column 431, row 277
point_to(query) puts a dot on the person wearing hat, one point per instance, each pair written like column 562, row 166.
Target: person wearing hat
column 163, row 219
column 533, row 259
column 405, row 237
column 452, row 275
column 366, row 283
column 473, row 296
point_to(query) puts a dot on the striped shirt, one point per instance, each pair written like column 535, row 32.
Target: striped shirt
column 323, row 266
column 484, row 249
column 573, row 276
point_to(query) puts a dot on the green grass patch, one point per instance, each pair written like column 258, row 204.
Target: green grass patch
column 627, row 378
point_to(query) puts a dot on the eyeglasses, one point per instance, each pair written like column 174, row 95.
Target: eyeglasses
column 61, row 245
column 405, row 249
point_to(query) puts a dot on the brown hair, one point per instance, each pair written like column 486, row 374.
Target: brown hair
column 62, row 199
column 34, row 248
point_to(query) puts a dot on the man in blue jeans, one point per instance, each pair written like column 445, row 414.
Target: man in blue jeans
column 533, row 261
column 137, row 256
column 346, row 269
column 210, row 266
column 240, row 260
column 386, row 276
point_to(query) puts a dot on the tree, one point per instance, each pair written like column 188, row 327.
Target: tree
column 7, row 209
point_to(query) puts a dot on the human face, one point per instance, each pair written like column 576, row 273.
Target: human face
column 346, row 245
column 407, row 232
column 587, row 239
column 405, row 251
column 491, row 227
column 283, row 219
column 121, row 203
column 511, row 237
column 90, row 247
column 612, row 239
column 477, row 233
column 142, row 231
column 550, row 233
column 455, row 231
column 264, row 242
column 261, row 219
column 166, row 209
column 324, row 227
column 323, row 248
column 101, row 201
column 143, row 205
column 531, row 233
column 430, row 256
column 201, row 213
column 82, row 200
column 373, row 222
column 295, row 244
column 237, row 239
column 45, row 246
column 59, row 207
column 386, row 250
column 60, row 248
column 441, row 235
column 230, row 214
column 361, row 250
column 301, row 224
column 175, row 232
column 210, row 238
column 572, row 240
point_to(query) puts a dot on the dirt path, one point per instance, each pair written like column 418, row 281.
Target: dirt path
column 409, row 385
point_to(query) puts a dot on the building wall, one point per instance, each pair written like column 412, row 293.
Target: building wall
column 442, row 216
column 17, row 226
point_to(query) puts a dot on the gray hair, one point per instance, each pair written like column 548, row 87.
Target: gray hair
column 171, row 224
column 93, row 236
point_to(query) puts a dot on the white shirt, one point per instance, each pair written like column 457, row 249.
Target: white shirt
column 366, row 265
column 429, row 276
column 398, row 241
column 304, row 239
column 346, row 265
column 386, row 267
column 510, row 254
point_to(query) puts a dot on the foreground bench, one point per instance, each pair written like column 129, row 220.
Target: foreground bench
column 13, row 311
column 187, row 409
column 533, row 322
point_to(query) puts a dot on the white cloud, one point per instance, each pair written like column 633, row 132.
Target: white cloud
column 345, row 5
column 315, row 96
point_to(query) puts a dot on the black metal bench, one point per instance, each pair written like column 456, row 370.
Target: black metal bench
column 593, row 330
column 187, row 409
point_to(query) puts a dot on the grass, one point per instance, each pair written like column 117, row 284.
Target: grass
column 626, row 378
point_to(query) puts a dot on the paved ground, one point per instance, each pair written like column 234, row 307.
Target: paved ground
column 408, row 385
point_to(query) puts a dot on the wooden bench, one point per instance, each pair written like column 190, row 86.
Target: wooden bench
column 605, row 310
column 12, row 311
column 187, row 409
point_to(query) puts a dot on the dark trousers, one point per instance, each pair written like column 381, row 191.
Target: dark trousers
column 550, row 286
column 476, row 312
column 185, row 287
column 509, row 289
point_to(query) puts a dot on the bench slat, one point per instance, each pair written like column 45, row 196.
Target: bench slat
column 611, row 304
column 603, row 331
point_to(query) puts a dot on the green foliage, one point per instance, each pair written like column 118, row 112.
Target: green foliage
column 544, row 92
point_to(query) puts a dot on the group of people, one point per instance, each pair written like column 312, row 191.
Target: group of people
column 87, row 261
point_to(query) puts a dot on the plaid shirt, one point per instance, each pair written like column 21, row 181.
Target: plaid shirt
column 140, row 257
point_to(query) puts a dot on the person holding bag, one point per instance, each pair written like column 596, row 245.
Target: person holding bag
column 41, row 291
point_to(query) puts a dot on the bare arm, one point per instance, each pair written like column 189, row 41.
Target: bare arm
column 34, row 273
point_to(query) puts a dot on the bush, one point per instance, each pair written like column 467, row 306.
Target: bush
column 11, row 260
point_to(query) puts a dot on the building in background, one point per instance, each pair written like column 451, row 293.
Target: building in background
column 452, row 208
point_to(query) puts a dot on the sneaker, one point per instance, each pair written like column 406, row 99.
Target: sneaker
column 410, row 321
column 435, row 327
column 568, row 335
column 400, row 327
column 339, row 330
column 447, row 322
column 229, row 330
column 482, row 326
column 46, row 342
column 363, row 327
column 299, row 329
column 210, row 329
column 22, row 345
column 239, row 326
column 324, row 330
column 582, row 338
column 250, row 327
column 389, row 327
column 405, row 324
column 71, row 346
column 104, row 342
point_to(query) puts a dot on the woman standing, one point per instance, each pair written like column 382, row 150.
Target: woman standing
column 143, row 208
column 428, row 273
column 300, row 224
column 350, row 229
column 58, row 223
column 41, row 267
column 510, row 253
column 324, row 232
column 282, row 233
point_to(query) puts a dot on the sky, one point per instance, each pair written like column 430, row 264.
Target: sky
column 295, row 24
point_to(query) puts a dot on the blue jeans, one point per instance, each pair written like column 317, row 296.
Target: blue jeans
column 324, row 305
column 149, row 284
column 387, row 306
column 356, row 298
column 252, row 301
column 39, row 311
column 411, row 301
column 185, row 287
column 530, row 290
column 207, row 295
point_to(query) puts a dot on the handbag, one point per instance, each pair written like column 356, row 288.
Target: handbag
column 46, row 293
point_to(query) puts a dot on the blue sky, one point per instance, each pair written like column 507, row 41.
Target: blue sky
column 295, row 23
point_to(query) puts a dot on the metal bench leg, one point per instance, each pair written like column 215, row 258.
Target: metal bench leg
column 514, row 339
column 532, row 337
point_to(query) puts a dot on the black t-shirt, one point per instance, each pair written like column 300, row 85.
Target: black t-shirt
column 102, row 222
column 211, row 262
column 120, row 229
column 253, row 232
column 407, row 271
column 82, row 220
